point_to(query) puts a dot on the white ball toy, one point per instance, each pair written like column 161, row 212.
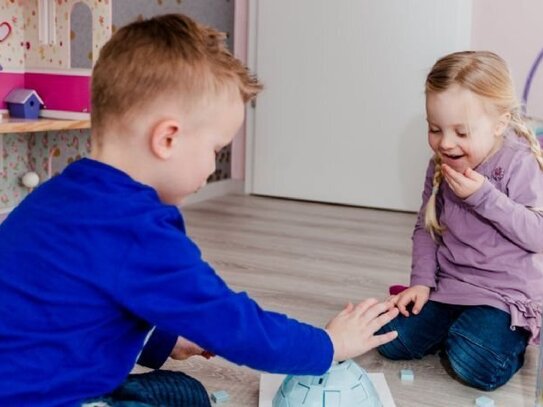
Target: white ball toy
column 31, row 179
column 344, row 385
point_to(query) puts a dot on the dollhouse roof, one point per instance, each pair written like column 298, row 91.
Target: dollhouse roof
column 21, row 96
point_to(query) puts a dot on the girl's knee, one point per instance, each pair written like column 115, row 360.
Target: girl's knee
column 478, row 366
column 396, row 349
column 393, row 351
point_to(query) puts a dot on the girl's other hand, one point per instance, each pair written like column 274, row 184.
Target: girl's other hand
column 463, row 185
column 418, row 295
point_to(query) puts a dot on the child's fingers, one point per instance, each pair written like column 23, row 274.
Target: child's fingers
column 348, row 309
column 374, row 311
column 383, row 319
column 473, row 175
column 449, row 170
column 402, row 305
column 381, row 339
column 365, row 305
column 206, row 354
column 393, row 299
column 475, row 178
column 419, row 303
column 452, row 175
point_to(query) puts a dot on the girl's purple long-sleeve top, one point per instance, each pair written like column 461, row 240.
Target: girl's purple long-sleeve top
column 491, row 251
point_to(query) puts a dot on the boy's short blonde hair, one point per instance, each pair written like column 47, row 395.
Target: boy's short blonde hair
column 162, row 56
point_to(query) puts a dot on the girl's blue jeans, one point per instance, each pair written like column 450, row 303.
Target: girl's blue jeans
column 482, row 349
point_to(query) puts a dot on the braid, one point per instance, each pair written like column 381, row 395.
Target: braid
column 523, row 130
column 431, row 223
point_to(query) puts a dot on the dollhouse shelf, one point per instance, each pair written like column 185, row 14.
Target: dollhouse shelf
column 9, row 125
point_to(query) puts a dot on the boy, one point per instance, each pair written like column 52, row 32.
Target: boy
column 96, row 257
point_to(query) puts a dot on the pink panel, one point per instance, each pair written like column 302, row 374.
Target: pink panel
column 241, row 17
column 61, row 92
column 8, row 81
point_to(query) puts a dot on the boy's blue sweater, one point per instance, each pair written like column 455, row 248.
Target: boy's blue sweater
column 89, row 262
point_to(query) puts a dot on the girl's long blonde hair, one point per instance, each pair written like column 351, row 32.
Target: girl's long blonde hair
column 486, row 75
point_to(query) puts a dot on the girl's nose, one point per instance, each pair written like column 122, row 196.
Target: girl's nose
column 447, row 141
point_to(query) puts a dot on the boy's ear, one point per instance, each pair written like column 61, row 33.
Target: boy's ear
column 164, row 136
column 503, row 122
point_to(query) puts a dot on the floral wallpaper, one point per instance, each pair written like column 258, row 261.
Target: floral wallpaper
column 24, row 152
column 12, row 36
column 63, row 147
column 21, row 50
column 15, row 160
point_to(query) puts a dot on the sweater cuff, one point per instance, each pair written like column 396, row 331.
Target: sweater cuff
column 328, row 353
column 157, row 349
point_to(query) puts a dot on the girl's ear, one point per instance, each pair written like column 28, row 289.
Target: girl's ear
column 503, row 123
column 164, row 137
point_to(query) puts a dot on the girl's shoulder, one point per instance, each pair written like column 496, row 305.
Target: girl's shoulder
column 513, row 161
column 516, row 144
column 514, row 151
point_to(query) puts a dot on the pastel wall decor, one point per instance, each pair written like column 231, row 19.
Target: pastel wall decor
column 529, row 80
column 5, row 31
column 81, row 53
column 48, row 32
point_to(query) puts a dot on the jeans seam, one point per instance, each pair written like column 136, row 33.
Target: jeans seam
column 500, row 369
column 480, row 345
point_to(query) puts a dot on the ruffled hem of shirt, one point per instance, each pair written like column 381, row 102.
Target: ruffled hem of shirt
column 526, row 314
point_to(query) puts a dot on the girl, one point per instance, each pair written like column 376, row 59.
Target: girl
column 477, row 270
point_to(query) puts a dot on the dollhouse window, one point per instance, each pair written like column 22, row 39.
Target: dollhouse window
column 46, row 23
column 81, row 36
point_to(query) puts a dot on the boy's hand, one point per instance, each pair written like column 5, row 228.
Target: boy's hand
column 352, row 331
column 184, row 349
column 418, row 294
column 463, row 185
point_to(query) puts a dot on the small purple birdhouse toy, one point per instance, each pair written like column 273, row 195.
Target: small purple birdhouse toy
column 24, row 103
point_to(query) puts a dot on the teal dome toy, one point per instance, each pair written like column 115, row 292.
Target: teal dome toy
column 345, row 384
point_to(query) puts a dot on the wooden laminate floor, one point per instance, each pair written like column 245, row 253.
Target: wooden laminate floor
column 308, row 260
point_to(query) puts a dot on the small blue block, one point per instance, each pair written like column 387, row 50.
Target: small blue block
column 484, row 401
column 407, row 375
column 219, row 396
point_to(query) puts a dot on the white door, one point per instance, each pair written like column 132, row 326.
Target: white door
column 342, row 116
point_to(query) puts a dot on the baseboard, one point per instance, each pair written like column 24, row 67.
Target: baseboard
column 64, row 115
column 5, row 211
column 210, row 191
column 215, row 190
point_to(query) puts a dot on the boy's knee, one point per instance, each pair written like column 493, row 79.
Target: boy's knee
column 478, row 366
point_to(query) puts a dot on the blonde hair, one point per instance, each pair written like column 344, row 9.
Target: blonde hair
column 486, row 75
column 169, row 54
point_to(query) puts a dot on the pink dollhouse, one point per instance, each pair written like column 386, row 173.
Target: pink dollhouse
column 35, row 52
